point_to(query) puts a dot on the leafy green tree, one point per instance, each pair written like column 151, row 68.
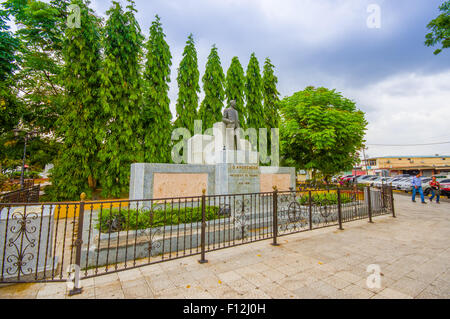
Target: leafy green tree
column 253, row 94
column 440, row 29
column 320, row 130
column 188, row 87
column 10, row 106
column 270, row 95
column 156, row 112
column 121, row 99
column 235, row 86
column 213, row 85
column 8, row 47
column 77, row 166
column 39, row 83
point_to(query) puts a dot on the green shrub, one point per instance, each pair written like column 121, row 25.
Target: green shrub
column 116, row 220
column 324, row 199
column 27, row 174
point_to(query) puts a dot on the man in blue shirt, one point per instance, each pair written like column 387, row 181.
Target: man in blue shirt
column 417, row 187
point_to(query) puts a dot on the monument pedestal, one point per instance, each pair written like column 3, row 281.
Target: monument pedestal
column 233, row 178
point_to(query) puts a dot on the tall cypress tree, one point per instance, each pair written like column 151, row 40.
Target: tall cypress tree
column 10, row 108
column 77, row 166
column 235, row 87
column 270, row 95
column 213, row 85
column 188, row 87
column 121, row 98
column 253, row 94
column 156, row 112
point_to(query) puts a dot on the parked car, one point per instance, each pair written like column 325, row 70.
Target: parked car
column 403, row 183
column 373, row 180
column 425, row 185
column 403, row 175
column 368, row 181
column 393, row 179
column 445, row 187
column 362, row 178
column 381, row 181
column 348, row 178
column 335, row 179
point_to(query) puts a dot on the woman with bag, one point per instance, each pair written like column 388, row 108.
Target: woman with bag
column 435, row 190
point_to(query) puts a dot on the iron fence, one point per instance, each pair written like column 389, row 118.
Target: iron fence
column 45, row 242
column 28, row 194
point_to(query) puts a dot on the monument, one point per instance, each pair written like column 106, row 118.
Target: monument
column 222, row 163
column 231, row 120
column 225, row 145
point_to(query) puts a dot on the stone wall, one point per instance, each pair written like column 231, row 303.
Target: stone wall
column 149, row 181
column 282, row 177
column 170, row 180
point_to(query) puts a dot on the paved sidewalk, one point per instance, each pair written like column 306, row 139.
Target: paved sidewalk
column 412, row 251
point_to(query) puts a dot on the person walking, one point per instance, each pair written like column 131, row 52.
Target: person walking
column 435, row 189
column 417, row 187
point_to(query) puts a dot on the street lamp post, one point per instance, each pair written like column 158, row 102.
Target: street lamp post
column 27, row 137
column 365, row 160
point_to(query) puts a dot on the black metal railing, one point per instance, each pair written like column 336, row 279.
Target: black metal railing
column 28, row 194
column 44, row 242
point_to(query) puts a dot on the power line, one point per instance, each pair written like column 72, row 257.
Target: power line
column 439, row 143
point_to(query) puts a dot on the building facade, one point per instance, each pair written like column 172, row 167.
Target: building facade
column 396, row 165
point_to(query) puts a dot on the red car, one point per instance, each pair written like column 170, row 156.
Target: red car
column 347, row 178
column 445, row 187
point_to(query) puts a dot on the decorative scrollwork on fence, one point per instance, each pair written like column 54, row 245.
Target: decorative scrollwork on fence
column 293, row 217
column 151, row 232
column 284, row 200
column 21, row 242
column 224, row 210
column 242, row 205
column 328, row 213
column 241, row 209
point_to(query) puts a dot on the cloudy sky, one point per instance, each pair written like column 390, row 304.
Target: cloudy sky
column 403, row 88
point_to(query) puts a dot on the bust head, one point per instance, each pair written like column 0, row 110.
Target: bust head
column 233, row 104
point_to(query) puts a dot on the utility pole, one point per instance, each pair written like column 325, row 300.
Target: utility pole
column 365, row 159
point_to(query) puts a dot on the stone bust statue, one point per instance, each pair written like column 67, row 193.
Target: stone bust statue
column 231, row 116
column 231, row 120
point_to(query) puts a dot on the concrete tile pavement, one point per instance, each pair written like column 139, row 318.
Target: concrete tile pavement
column 411, row 250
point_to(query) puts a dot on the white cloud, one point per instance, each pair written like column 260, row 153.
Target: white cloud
column 314, row 22
column 408, row 108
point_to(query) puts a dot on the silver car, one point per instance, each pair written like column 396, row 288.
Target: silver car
column 369, row 180
column 408, row 187
column 393, row 180
column 382, row 181
column 402, row 183
column 363, row 178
